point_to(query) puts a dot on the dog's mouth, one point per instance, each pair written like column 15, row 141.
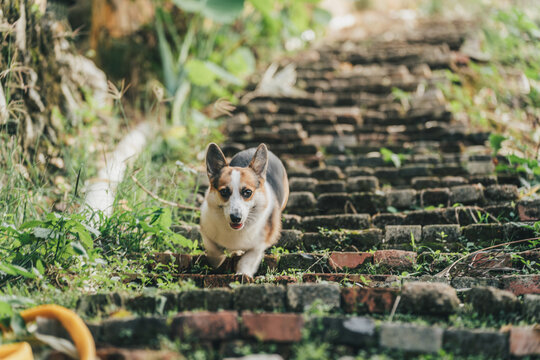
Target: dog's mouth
column 237, row 226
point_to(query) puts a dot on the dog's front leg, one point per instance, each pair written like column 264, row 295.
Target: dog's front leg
column 214, row 254
column 249, row 262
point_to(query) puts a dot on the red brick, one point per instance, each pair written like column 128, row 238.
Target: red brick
column 206, row 325
column 350, row 260
column 524, row 341
column 487, row 260
column 395, row 259
column 372, row 300
column 273, row 327
column 521, row 284
column 529, row 210
column 316, row 277
column 136, row 354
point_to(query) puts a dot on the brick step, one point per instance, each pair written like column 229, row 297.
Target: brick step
column 418, row 297
column 223, row 332
column 304, row 203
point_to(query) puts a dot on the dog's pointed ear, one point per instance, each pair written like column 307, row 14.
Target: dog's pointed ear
column 259, row 163
column 215, row 160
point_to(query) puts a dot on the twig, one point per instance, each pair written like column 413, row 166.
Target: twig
column 446, row 271
column 154, row 196
column 394, row 308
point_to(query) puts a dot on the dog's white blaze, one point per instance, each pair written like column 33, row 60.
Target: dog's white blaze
column 236, row 204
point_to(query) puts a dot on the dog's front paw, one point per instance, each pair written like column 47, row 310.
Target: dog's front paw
column 245, row 278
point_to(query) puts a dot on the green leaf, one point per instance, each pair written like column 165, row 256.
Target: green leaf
column 321, row 16
column 43, row 233
column 199, row 74
column 495, row 141
column 78, row 248
column 241, row 62
column 16, row 270
column 5, row 309
column 265, row 7
column 223, row 11
column 222, row 73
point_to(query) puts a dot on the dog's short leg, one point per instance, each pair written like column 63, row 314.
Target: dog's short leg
column 249, row 262
column 214, row 254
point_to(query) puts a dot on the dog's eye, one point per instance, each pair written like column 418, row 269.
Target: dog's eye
column 246, row 193
column 225, row 192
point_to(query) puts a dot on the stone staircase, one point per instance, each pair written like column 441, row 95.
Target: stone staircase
column 387, row 192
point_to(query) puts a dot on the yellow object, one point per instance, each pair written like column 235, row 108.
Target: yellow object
column 77, row 329
column 17, row 351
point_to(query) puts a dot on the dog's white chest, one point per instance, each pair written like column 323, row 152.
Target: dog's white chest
column 217, row 229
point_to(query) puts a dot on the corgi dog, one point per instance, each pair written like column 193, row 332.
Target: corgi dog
column 242, row 207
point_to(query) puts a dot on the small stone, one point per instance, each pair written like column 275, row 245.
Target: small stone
column 429, row 299
column 302, row 296
column 489, row 300
column 411, row 338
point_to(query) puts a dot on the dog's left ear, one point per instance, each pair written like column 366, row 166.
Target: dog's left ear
column 259, row 163
column 215, row 160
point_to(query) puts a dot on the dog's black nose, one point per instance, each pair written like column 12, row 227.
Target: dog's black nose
column 235, row 219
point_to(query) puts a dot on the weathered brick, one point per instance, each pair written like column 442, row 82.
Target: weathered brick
column 531, row 306
column 489, row 300
column 368, row 202
column 524, row 341
column 467, row 282
column 424, row 182
column 340, row 221
column 402, row 234
column 489, row 343
column 348, row 260
column 301, row 202
column 382, row 220
column 95, row 304
column 354, row 171
column 401, row 199
column 434, row 197
column 429, row 298
column 500, row 193
column 259, row 297
column 273, row 327
column 467, row 194
column 411, row 338
column 303, row 261
column 441, row 233
column 529, row 210
column 333, row 186
column 478, row 233
column 136, row 354
column 301, row 296
column 218, row 299
column 146, row 304
column 521, row 284
column 395, row 260
column 370, row 300
column 449, row 181
column 411, row 171
column 333, row 203
column 480, row 167
column 362, row 184
column 290, row 221
column 302, row 184
column 426, row 217
column 354, row 331
column 328, row 173
column 205, row 326
column 133, row 331
column 290, row 239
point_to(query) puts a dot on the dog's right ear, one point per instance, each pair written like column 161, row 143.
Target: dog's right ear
column 215, row 160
